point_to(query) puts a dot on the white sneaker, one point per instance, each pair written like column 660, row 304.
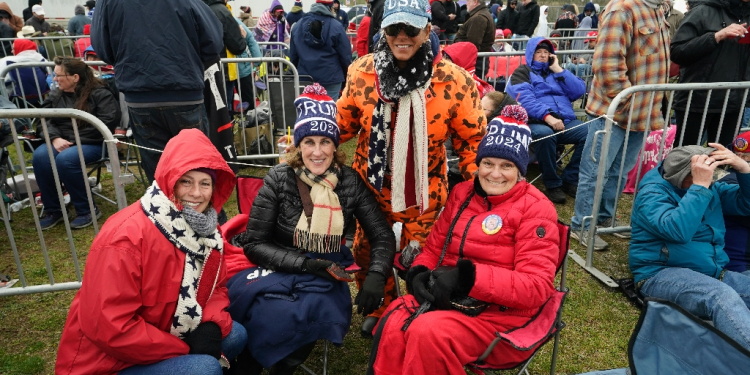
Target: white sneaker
column 599, row 243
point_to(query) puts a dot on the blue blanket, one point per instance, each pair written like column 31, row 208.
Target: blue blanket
column 282, row 312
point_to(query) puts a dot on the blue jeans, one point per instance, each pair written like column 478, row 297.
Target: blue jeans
column 519, row 45
column 546, row 152
column 745, row 118
column 333, row 90
column 230, row 86
column 153, row 127
column 197, row 364
column 589, row 169
column 71, row 175
column 580, row 70
column 725, row 303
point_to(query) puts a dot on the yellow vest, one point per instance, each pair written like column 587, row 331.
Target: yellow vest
column 232, row 67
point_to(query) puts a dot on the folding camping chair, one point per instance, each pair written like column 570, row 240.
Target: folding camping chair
column 544, row 326
column 670, row 340
column 247, row 189
column 29, row 86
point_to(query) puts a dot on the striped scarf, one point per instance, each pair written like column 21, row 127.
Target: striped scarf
column 405, row 90
column 323, row 233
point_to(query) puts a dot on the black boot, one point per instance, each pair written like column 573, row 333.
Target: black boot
column 289, row 364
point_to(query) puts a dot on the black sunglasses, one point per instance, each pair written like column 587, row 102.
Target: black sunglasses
column 395, row 29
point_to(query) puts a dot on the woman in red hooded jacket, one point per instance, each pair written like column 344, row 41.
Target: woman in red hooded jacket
column 498, row 236
column 153, row 298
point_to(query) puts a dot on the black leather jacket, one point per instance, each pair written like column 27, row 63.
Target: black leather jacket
column 268, row 238
column 702, row 60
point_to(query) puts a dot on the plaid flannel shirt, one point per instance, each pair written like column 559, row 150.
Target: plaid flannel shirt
column 632, row 49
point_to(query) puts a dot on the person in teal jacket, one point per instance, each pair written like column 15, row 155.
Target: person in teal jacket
column 246, row 69
column 677, row 245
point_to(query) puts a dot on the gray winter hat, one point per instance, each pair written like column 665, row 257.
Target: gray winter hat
column 677, row 164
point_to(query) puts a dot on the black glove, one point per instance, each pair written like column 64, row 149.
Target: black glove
column 419, row 288
column 371, row 295
column 411, row 273
column 318, row 268
column 454, row 283
column 205, row 339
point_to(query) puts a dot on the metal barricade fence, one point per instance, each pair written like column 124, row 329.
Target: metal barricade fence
column 497, row 67
column 352, row 40
column 266, row 65
column 563, row 42
column 62, row 45
column 264, row 46
column 118, row 182
column 629, row 95
column 279, row 83
column 38, row 88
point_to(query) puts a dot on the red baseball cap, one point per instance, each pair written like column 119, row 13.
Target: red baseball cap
column 591, row 33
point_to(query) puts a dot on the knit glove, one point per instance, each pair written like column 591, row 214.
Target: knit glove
column 454, row 283
column 318, row 268
column 205, row 339
column 370, row 297
column 416, row 283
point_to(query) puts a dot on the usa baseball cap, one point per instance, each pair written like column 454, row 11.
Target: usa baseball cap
column 411, row 12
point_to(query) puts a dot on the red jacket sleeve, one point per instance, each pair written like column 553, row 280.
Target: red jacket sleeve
column 362, row 34
column 529, row 284
column 110, row 299
column 216, row 307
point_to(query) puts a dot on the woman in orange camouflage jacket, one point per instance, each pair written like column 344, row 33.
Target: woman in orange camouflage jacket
column 403, row 101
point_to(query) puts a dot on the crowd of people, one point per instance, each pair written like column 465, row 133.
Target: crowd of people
column 191, row 299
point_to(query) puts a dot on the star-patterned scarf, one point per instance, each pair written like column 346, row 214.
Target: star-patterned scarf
column 203, row 256
column 405, row 88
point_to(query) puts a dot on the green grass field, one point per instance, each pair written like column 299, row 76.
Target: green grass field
column 599, row 319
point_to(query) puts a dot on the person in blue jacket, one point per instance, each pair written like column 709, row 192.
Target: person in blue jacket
column 589, row 10
column 547, row 91
column 677, row 245
column 340, row 14
column 159, row 50
column 295, row 14
column 246, row 69
column 319, row 48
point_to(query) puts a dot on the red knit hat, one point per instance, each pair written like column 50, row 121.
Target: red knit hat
column 87, row 29
column 742, row 143
column 20, row 45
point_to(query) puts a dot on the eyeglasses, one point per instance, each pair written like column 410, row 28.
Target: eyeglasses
column 395, row 29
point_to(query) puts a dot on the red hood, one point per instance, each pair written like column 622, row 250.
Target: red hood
column 189, row 150
column 463, row 54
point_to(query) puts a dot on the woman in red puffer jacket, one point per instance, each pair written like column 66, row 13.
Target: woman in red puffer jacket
column 500, row 235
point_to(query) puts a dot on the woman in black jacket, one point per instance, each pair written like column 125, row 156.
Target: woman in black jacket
column 78, row 89
column 707, row 49
column 285, row 236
